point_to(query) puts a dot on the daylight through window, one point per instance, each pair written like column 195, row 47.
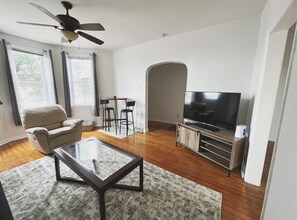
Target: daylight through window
column 33, row 81
column 81, row 81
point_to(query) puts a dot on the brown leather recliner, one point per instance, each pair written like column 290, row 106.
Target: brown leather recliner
column 48, row 128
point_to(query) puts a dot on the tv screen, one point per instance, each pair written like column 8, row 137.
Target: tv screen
column 212, row 110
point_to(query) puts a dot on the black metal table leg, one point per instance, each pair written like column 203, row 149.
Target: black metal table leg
column 141, row 177
column 102, row 205
column 57, row 168
column 132, row 188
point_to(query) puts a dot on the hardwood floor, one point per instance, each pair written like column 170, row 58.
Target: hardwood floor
column 240, row 200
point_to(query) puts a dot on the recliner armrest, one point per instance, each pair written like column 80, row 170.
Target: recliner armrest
column 37, row 130
column 72, row 122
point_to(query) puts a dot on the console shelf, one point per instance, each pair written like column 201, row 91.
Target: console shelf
column 216, row 151
column 220, row 147
column 216, row 144
column 215, row 159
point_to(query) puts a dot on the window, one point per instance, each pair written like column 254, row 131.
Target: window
column 81, row 81
column 33, row 80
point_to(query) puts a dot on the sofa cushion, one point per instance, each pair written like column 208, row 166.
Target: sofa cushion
column 44, row 117
column 53, row 126
column 60, row 131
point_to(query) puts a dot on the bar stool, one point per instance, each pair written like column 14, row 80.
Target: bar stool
column 125, row 121
column 107, row 119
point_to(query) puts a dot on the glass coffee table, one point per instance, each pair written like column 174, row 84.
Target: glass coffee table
column 100, row 165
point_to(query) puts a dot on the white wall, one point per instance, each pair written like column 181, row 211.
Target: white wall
column 281, row 192
column 281, row 86
column 218, row 58
column 263, row 109
column 266, row 76
column 166, row 92
column 8, row 131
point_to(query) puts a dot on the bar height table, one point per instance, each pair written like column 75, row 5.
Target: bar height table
column 116, row 99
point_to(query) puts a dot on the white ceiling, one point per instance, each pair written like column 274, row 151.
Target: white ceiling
column 126, row 22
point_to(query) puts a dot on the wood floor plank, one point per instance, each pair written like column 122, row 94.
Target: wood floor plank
column 240, row 200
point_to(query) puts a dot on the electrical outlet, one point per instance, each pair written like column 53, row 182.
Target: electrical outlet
column 177, row 115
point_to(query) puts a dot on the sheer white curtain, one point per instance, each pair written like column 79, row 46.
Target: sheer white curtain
column 48, row 78
column 48, row 94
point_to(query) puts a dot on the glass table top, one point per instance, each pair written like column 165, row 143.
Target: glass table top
column 101, row 159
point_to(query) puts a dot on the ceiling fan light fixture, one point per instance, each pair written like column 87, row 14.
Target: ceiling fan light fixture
column 68, row 25
column 69, row 35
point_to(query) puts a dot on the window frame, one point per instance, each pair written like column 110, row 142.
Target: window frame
column 71, row 81
column 48, row 98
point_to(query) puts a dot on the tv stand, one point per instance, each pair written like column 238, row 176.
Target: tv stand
column 205, row 126
column 220, row 147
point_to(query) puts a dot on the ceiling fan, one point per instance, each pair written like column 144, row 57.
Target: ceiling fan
column 69, row 25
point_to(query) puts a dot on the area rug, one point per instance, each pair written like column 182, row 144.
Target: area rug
column 33, row 193
column 118, row 135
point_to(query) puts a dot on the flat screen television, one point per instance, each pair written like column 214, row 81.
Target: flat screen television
column 212, row 110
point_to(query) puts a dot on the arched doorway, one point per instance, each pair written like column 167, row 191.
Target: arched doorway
column 165, row 89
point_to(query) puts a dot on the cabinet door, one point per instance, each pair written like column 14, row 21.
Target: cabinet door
column 189, row 138
column 182, row 135
column 193, row 139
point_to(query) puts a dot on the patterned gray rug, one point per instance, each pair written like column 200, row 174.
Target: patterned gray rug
column 33, row 193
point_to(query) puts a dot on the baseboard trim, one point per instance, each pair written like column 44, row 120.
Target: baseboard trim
column 164, row 121
column 15, row 138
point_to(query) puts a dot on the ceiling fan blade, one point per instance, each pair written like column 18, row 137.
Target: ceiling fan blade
column 45, row 25
column 91, row 27
column 42, row 9
column 91, row 38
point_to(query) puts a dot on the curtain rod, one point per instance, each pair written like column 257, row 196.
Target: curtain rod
column 25, row 51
